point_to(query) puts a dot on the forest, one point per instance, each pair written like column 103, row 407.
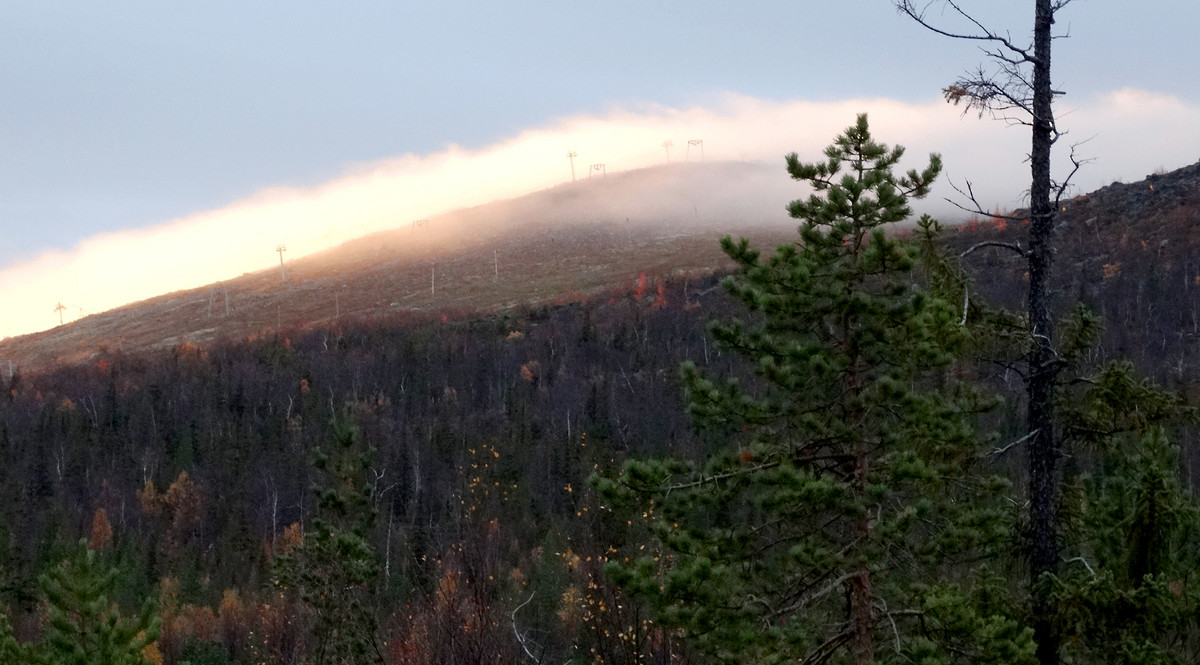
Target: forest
column 815, row 457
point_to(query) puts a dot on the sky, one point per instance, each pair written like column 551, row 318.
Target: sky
column 149, row 146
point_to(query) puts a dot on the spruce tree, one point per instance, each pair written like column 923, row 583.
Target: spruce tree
column 843, row 518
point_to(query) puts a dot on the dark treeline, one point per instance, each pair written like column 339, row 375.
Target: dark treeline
column 483, row 430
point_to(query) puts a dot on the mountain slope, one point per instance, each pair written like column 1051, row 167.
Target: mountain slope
column 560, row 243
column 1129, row 251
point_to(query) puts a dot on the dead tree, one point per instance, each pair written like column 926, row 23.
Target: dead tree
column 1017, row 88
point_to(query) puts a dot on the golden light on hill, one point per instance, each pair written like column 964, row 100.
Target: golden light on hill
column 109, row 270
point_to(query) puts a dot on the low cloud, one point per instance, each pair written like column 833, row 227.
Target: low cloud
column 1128, row 133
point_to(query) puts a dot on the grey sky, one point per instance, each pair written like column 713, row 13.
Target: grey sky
column 123, row 114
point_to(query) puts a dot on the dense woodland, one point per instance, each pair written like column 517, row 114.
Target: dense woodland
column 458, row 451
column 482, row 435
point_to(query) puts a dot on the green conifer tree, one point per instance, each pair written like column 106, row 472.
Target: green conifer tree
column 844, row 519
column 11, row 651
column 85, row 627
column 335, row 570
column 1129, row 589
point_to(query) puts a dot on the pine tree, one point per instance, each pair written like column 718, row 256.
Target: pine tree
column 843, row 519
column 1128, row 588
column 85, row 627
column 11, row 651
column 334, row 570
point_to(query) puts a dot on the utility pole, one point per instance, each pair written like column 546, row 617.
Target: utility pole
column 667, row 145
column 212, row 293
column 61, row 307
column 695, row 142
column 599, row 168
column 571, row 155
column 282, row 273
column 496, row 259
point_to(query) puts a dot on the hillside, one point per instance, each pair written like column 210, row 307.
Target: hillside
column 554, row 245
column 1130, row 252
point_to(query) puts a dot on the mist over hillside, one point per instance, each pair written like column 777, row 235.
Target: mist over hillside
column 679, row 198
column 562, row 242
column 572, row 242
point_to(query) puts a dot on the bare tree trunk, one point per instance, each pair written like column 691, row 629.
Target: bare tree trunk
column 1043, row 446
column 863, row 625
column 1015, row 90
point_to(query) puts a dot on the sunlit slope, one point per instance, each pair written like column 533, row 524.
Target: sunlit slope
column 576, row 239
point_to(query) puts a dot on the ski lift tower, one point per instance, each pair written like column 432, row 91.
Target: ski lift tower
column 571, row 155
column 282, row 273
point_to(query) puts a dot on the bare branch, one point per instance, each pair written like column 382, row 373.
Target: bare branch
column 908, row 7
column 1076, row 164
column 1014, row 246
column 816, row 595
column 1010, row 365
column 891, row 620
column 1085, row 564
column 827, row 648
column 969, row 192
column 1000, row 451
column 720, row 476
column 995, row 93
